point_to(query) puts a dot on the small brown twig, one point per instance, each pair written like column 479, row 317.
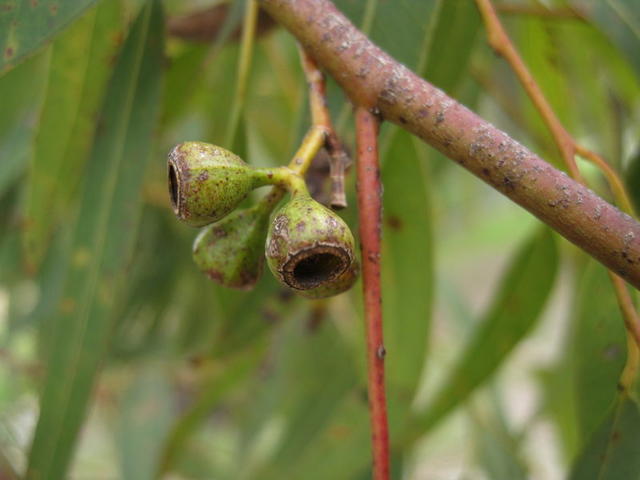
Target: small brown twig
column 614, row 181
column 204, row 26
column 338, row 158
column 557, row 13
column 370, row 214
column 629, row 312
column 501, row 43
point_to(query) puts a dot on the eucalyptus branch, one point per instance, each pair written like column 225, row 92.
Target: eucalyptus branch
column 502, row 44
column 373, row 79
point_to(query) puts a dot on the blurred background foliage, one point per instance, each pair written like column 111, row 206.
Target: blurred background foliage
column 119, row 360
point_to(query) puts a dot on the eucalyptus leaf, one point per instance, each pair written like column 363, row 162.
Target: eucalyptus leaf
column 144, row 416
column 22, row 92
column 619, row 20
column 517, row 306
column 102, row 245
column 455, row 29
column 598, row 349
column 613, row 453
column 399, row 27
column 26, row 25
column 75, row 86
column 407, row 264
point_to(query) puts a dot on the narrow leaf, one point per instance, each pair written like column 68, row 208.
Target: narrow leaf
column 315, row 372
column 102, row 245
column 495, row 444
column 516, row 308
column 632, row 180
column 235, row 370
column 343, row 446
column 538, row 46
column 399, row 27
column 144, row 416
column 26, row 25
column 598, row 349
column 21, row 97
column 455, row 28
column 76, row 83
column 613, row 452
column 620, row 21
column 407, row 264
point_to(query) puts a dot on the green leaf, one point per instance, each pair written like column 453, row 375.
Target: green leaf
column 26, row 25
column 75, row 86
column 407, row 264
column 142, row 324
column 496, row 446
column 559, row 402
column 102, row 245
column 538, row 44
column 632, row 180
column 456, row 25
column 143, row 415
column 613, row 453
column 259, row 310
column 183, row 80
column 399, row 27
column 592, row 95
column 343, row 446
column 620, row 21
column 516, row 307
column 212, row 393
column 598, row 348
column 310, row 370
column 21, row 95
column 50, row 280
column 316, row 372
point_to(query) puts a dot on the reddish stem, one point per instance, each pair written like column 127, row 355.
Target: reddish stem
column 370, row 212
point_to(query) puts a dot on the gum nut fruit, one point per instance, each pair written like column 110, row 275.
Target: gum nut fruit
column 230, row 252
column 308, row 245
column 206, row 182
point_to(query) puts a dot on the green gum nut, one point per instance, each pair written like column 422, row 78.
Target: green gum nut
column 310, row 249
column 207, row 182
column 231, row 251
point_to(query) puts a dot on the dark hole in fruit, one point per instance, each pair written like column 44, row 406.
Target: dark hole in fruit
column 173, row 186
column 315, row 269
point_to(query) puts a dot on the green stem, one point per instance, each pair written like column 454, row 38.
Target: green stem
column 283, row 177
column 300, row 163
column 244, row 63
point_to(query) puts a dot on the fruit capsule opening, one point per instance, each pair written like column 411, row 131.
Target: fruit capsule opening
column 315, row 266
column 174, row 187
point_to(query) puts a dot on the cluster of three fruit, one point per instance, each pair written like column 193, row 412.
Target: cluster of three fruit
column 308, row 247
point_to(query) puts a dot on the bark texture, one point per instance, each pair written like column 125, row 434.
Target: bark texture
column 373, row 79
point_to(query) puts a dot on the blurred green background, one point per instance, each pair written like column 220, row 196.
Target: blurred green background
column 119, row 360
